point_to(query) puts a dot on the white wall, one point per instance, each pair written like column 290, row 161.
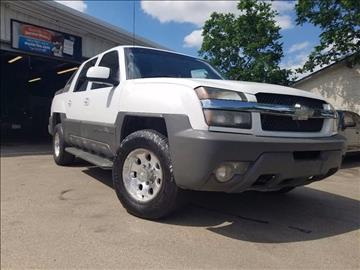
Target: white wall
column 339, row 84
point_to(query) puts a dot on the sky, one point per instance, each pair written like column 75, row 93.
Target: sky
column 177, row 24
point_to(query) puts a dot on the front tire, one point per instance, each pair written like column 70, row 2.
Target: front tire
column 61, row 157
column 143, row 177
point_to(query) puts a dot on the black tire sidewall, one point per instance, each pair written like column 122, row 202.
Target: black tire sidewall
column 63, row 158
column 167, row 197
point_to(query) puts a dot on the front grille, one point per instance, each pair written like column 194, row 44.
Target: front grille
column 289, row 100
column 286, row 123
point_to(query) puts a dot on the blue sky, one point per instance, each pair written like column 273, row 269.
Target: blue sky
column 177, row 24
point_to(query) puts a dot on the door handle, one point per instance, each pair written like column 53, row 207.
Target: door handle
column 69, row 102
column 86, row 101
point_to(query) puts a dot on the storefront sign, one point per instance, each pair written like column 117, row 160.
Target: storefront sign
column 40, row 40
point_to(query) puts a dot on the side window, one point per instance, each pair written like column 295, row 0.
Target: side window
column 349, row 120
column 68, row 84
column 82, row 82
column 109, row 60
column 357, row 118
column 199, row 73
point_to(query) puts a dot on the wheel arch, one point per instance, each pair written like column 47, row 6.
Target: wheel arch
column 56, row 118
column 135, row 122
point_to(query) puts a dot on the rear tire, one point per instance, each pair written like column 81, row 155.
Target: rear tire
column 61, row 157
column 143, row 176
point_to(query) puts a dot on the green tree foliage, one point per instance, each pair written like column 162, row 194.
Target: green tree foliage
column 247, row 46
column 339, row 21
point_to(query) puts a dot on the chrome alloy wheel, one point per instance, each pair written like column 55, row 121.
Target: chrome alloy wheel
column 57, row 144
column 142, row 175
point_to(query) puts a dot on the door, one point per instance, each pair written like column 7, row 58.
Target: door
column 76, row 102
column 102, row 97
column 102, row 107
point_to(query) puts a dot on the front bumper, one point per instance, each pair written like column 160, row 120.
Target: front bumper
column 273, row 165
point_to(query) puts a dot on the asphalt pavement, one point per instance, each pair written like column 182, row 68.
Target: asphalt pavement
column 69, row 217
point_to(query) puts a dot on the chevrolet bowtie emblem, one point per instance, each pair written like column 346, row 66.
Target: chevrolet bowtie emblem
column 302, row 112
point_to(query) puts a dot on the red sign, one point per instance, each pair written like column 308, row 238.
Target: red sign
column 35, row 32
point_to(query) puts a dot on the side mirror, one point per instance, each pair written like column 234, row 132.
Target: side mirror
column 101, row 75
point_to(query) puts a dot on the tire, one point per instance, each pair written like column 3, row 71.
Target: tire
column 146, row 152
column 61, row 157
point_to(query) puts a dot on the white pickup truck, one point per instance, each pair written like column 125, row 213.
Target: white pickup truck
column 166, row 122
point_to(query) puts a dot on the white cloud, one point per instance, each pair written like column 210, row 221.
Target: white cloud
column 295, row 62
column 284, row 21
column 194, row 39
column 283, row 6
column 79, row 5
column 195, row 12
column 299, row 46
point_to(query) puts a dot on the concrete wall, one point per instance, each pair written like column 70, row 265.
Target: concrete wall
column 339, row 84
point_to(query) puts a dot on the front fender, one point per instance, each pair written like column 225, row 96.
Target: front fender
column 163, row 98
column 58, row 104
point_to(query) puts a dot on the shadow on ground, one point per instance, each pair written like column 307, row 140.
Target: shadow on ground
column 302, row 215
column 351, row 161
column 25, row 145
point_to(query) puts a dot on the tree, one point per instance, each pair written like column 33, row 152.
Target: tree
column 247, row 46
column 339, row 21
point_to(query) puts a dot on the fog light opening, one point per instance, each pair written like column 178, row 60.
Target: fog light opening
column 226, row 171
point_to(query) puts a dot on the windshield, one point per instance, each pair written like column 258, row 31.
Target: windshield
column 148, row 63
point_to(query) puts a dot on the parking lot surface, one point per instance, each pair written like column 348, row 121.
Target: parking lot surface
column 69, row 217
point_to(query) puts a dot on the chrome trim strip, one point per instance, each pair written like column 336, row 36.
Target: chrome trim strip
column 297, row 112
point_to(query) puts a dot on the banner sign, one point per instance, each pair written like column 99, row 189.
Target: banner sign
column 40, row 40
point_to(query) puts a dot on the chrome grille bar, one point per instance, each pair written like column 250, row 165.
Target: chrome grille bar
column 297, row 112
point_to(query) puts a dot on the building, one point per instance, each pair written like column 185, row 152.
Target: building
column 42, row 43
column 339, row 83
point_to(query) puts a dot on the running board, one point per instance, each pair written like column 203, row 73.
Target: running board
column 92, row 158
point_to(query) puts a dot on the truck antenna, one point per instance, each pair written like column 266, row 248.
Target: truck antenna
column 133, row 38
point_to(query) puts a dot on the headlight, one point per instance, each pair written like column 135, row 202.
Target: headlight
column 224, row 118
column 228, row 118
column 217, row 93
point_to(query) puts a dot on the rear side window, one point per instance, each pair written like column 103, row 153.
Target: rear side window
column 357, row 118
column 109, row 60
column 82, row 81
column 349, row 120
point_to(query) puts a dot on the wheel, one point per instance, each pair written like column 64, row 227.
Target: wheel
column 60, row 156
column 143, row 177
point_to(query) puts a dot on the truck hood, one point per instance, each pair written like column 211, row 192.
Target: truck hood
column 239, row 86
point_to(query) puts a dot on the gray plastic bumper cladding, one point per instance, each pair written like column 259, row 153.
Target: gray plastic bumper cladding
column 274, row 162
